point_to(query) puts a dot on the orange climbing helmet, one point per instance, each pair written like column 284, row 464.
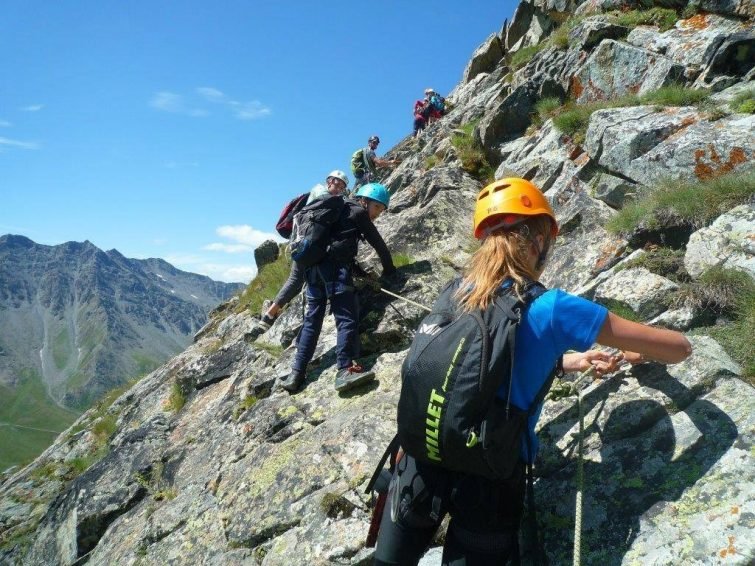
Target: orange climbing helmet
column 506, row 202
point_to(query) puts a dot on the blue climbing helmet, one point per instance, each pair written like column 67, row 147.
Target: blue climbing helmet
column 375, row 191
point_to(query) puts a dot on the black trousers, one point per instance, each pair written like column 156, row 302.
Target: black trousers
column 485, row 516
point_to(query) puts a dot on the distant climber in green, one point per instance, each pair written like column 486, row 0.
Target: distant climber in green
column 331, row 280
column 364, row 163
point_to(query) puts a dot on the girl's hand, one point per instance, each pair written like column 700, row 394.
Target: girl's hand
column 600, row 361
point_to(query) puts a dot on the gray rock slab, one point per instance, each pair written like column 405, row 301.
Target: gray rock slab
column 485, row 58
column 639, row 289
column 728, row 242
column 615, row 68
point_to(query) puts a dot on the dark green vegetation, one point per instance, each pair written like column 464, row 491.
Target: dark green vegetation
column 471, row 154
column 744, row 103
column 662, row 261
column 23, row 410
column 696, row 203
column 664, row 18
column 731, row 294
column 265, row 285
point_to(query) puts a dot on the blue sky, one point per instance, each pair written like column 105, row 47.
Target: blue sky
column 180, row 129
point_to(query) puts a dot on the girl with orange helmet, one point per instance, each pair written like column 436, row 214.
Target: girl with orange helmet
column 517, row 228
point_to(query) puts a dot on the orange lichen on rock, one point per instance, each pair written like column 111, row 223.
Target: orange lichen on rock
column 698, row 22
column 716, row 166
column 729, row 550
column 576, row 87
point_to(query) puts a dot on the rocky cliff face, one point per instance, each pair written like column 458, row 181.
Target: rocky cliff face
column 83, row 321
column 207, row 462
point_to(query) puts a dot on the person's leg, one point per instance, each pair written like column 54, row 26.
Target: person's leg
column 290, row 289
column 317, row 303
column 346, row 313
column 406, row 527
column 484, row 527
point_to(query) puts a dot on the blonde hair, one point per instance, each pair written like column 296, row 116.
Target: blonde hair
column 504, row 254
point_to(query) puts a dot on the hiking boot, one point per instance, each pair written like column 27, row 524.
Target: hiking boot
column 350, row 377
column 265, row 322
column 293, row 381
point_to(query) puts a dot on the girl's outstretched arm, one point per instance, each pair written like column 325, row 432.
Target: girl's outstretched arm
column 654, row 344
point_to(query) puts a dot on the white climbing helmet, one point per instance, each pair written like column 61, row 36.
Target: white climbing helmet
column 338, row 174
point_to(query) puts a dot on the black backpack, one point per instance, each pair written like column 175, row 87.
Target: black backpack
column 312, row 230
column 448, row 411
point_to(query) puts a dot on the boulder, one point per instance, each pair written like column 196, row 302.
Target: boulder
column 728, row 242
column 538, row 158
column 617, row 136
column 591, row 31
column 680, row 319
column 646, row 145
column 733, row 60
column 267, row 252
column 584, row 248
column 557, row 8
column 616, row 68
column 529, row 25
column 590, row 7
column 539, row 27
column 485, row 58
column 740, row 8
column 637, row 288
column 508, row 120
column 612, row 190
column 692, row 42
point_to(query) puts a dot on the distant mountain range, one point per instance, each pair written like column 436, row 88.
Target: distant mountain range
column 76, row 321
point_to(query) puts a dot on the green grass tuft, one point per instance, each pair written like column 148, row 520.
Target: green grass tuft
column 732, row 293
column 744, row 103
column 272, row 349
column 265, row 285
column 676, row 95
column 177, row 398
column 525, row 55
column 471, row 154
column 664, row 18
column 247, row 403
column 662, row 261
column 696, row 202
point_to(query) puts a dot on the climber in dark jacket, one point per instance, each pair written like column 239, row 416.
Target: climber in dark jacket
column 332, row 279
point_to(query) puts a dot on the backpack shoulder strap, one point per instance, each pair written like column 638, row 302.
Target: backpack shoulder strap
column 390, row 450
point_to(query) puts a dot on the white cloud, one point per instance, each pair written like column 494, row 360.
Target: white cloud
column 245, row 234
column 5, row 124
column 17, row 143
column 33, row 108
column 250, row 110
column 229, row 248
column 211, row 94
column 171, row 102
column 228, row 272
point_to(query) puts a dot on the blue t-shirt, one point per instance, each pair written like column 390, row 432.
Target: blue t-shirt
column 551, row 325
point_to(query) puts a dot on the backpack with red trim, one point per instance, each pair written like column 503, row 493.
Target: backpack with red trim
column 286, row 221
